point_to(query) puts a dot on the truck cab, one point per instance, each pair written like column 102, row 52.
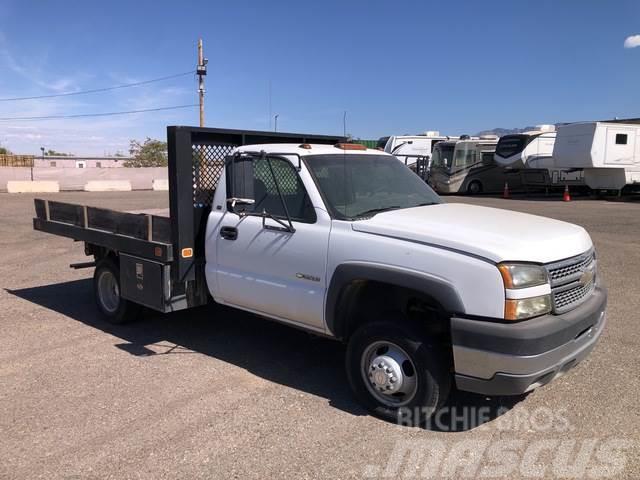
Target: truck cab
column 347, row 243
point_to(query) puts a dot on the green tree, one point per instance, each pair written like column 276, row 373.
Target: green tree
column 53, row 153
column 4, row 151
column 150, row 153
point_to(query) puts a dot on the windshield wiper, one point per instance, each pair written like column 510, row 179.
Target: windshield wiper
column 373, row 211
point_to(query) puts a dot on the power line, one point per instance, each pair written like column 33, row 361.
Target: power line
column 105, row 114
column 98, row 90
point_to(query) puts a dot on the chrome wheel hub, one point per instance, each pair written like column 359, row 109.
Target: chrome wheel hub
column 386, row 375
column 108, row 292
column 389, row 373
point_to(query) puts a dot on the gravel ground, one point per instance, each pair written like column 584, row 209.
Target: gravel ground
column 214, row 393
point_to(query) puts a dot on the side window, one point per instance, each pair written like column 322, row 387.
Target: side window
column 621, row 138
column 487, row 158
column 256, row 179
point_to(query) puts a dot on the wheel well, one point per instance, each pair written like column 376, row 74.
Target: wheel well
column 100, row 253
column 363, row 301
column 477, row 182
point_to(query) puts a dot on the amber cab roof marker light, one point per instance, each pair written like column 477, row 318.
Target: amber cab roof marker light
column 350, row 146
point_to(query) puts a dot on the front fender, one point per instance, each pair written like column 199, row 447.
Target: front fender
column 440, row 289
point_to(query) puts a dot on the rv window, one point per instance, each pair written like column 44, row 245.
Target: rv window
column 510, row 145
column 464, row 156
column 621, row 138
column 487, row 158
column 442, row 156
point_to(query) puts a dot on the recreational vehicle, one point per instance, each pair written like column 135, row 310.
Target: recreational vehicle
column 468, row 166
column 409, row 148
column 608, row 151
column 531, row 153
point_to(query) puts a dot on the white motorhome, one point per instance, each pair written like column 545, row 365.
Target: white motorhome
column 608, row 151
column 409, row 148
column 532, row 154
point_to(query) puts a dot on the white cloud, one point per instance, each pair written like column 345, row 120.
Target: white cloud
column 632, row 41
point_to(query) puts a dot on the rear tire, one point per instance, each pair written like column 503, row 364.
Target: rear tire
column 474, row 188
column 378, row 352
column 106, row 287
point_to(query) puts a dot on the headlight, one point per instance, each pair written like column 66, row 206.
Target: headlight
column 522, row 275
column 523, row 308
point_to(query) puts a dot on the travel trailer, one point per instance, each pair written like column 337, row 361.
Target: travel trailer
column 531, row 153
column 409, row 148
column 468, row 166
column 608, row 151
column 528, row 149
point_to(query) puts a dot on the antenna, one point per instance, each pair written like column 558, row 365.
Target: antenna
column 344, row 124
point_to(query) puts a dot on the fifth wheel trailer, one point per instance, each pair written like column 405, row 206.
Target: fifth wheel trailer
column 531, row 154
column 608, row 151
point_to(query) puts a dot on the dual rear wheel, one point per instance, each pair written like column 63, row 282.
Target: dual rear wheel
column 107, row 291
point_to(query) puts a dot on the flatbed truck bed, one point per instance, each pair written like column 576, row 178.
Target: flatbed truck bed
column 160, row 252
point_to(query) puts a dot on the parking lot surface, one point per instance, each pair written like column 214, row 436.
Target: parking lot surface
column 216, row 393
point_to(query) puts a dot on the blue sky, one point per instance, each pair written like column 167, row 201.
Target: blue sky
column 395, row 67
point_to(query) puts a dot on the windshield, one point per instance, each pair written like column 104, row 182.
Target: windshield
column 442, row 156
column 359, row 186
column 465, row 155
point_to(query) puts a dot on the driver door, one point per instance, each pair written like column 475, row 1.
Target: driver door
column 263, row 265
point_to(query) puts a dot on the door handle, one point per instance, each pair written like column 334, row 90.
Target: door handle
column 229, row 233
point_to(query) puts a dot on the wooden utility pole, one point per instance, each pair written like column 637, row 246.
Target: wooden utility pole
column 201, row 70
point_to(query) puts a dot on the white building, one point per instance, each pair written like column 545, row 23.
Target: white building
column 79, row 162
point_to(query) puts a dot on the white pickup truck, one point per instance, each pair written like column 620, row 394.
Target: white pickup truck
column 348, row 243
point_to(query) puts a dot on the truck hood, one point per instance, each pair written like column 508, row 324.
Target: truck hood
column 495, row 234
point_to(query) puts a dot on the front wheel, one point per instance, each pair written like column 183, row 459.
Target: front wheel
column 395, row 373
column 474, row 188
column 106, row 286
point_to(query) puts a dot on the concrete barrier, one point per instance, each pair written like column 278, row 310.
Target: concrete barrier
column 26, row 186
column 108, row 186
column 72, row 179
column 160, row 184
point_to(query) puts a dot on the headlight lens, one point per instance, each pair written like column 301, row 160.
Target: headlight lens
column 523, row 308
column 521, row 275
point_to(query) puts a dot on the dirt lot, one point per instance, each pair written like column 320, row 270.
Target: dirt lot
column 215, row 393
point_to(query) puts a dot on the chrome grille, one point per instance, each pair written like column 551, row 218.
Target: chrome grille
column 569, row 288
column 564, row 271
column 567, row 299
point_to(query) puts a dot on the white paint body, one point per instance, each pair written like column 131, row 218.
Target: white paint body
column 456, row 243
column 598, row 148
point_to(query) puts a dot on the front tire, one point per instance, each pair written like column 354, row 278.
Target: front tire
column 106, row 287
column 395, row 373
column 474, row 188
